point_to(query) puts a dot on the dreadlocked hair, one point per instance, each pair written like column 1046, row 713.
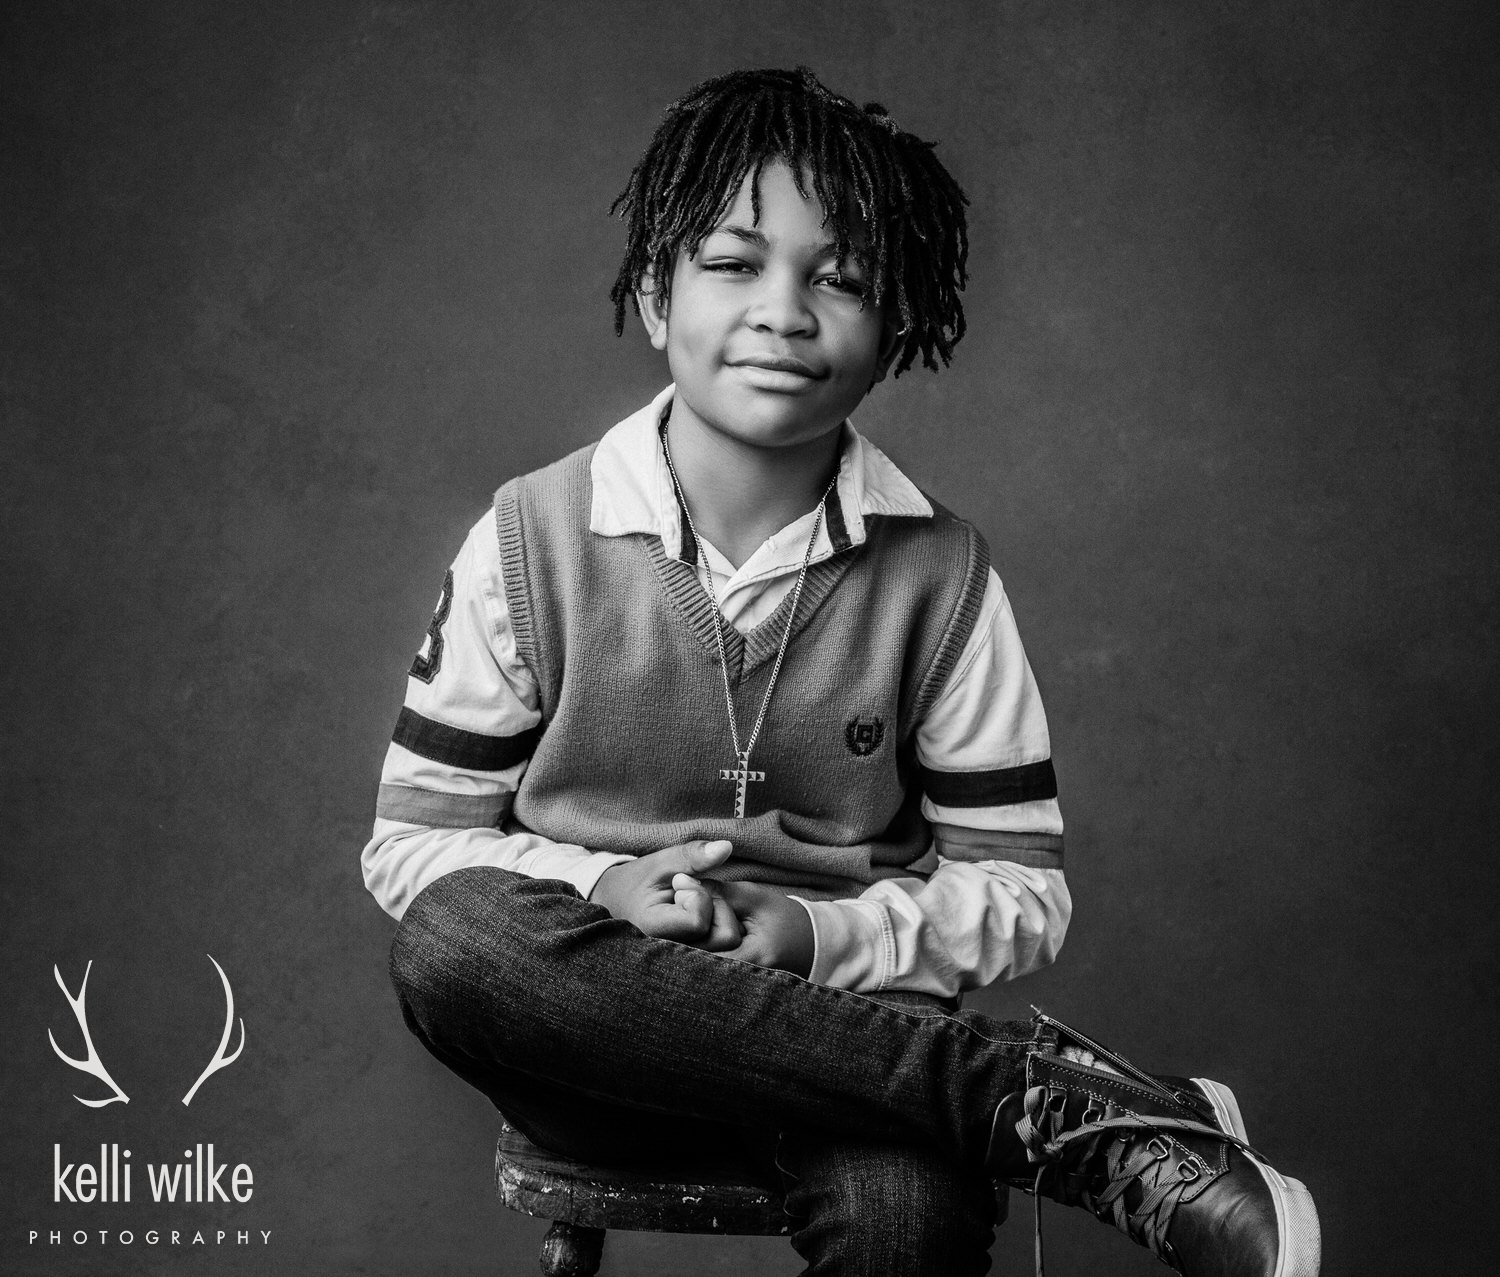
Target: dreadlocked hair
column 888, row 201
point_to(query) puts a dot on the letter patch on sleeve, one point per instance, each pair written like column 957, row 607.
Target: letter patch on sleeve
column 428, row 660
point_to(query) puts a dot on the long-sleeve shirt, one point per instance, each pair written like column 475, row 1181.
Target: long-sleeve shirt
column 996, row 905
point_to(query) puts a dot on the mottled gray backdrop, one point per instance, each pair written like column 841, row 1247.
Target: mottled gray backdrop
column 288, row 288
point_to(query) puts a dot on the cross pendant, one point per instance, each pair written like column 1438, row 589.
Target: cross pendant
column 742, row 776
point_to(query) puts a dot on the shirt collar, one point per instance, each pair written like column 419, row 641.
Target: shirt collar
column 632, row 490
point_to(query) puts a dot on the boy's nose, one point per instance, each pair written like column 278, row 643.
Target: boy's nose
column 782, row 306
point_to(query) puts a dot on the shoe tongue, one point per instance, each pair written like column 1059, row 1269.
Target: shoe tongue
column 1007, row 1155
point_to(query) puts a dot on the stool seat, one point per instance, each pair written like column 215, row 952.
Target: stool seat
column 584, row 1200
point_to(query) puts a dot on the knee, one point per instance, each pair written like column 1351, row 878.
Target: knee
column 470, row 927
column 874, row 1209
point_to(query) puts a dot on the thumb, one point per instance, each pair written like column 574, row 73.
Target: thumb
column 700, row 854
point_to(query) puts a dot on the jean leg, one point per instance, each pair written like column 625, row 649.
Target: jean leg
column 607, row 1133
column 501, row 974
column 863, row 1208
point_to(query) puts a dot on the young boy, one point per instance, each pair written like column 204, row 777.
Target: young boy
column 722, row 770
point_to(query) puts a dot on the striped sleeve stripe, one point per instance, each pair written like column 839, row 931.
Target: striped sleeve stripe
column 999, row 788
column 1035, row 851
column 414, row 806
column 455, row 747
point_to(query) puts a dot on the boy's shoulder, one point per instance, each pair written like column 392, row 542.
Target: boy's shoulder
column 617, row 458
column 560, row 475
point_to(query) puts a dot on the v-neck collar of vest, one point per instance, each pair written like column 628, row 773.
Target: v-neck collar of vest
column 744, row 653
column 633, row 494
column 834, row 523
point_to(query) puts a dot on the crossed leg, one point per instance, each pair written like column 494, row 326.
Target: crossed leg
column 598, row 1042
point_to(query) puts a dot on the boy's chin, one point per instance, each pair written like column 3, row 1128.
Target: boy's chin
column 770, row 420
column 777, row 435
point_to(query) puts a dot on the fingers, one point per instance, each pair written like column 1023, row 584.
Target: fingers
column 700, row 854
column 713, row 922
column 693, row 912
column 725, row 931
column 740, row 900
column 695, row 903
column 778, row 931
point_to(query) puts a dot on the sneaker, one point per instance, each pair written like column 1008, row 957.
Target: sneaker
column 1165, row 1160
column 1212, row 1102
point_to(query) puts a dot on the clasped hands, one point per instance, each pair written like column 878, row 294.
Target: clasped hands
column 661, row 895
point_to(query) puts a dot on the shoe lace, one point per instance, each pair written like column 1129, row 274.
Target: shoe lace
column 1100, row 1152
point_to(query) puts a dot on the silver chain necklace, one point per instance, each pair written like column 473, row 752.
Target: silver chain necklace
column 741, row 773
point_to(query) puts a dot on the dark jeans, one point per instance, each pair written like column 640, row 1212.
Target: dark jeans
column 610, row 1046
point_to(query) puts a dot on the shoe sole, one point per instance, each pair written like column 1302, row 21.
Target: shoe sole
column 1226, row 1107
column 1301, row 1250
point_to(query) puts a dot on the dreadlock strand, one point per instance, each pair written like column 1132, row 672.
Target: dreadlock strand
column 825, row 182
column 869, row 187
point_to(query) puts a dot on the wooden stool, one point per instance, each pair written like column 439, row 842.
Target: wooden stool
column 584, row 1201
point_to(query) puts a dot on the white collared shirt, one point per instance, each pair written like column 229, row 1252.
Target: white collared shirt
column 977, row 918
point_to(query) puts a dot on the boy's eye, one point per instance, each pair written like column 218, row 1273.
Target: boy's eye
column 727, row 266
column 851, row 284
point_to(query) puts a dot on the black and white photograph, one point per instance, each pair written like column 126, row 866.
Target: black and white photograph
column 810, row 640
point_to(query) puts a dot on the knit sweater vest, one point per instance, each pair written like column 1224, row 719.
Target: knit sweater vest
column 635, row 731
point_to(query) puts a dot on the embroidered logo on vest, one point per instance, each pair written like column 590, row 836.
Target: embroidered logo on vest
column 863, row 738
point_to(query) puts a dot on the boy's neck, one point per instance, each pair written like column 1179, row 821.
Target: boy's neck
column 739, row 494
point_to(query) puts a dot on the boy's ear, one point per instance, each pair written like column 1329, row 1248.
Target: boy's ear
column 892, row 335
column 653, row 311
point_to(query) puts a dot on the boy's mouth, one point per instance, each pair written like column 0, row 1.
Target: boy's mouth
column 779, row 363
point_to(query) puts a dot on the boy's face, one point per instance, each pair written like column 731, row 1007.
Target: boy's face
column 764, row 331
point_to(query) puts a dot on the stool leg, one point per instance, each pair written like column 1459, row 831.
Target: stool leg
column 571, row 1251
